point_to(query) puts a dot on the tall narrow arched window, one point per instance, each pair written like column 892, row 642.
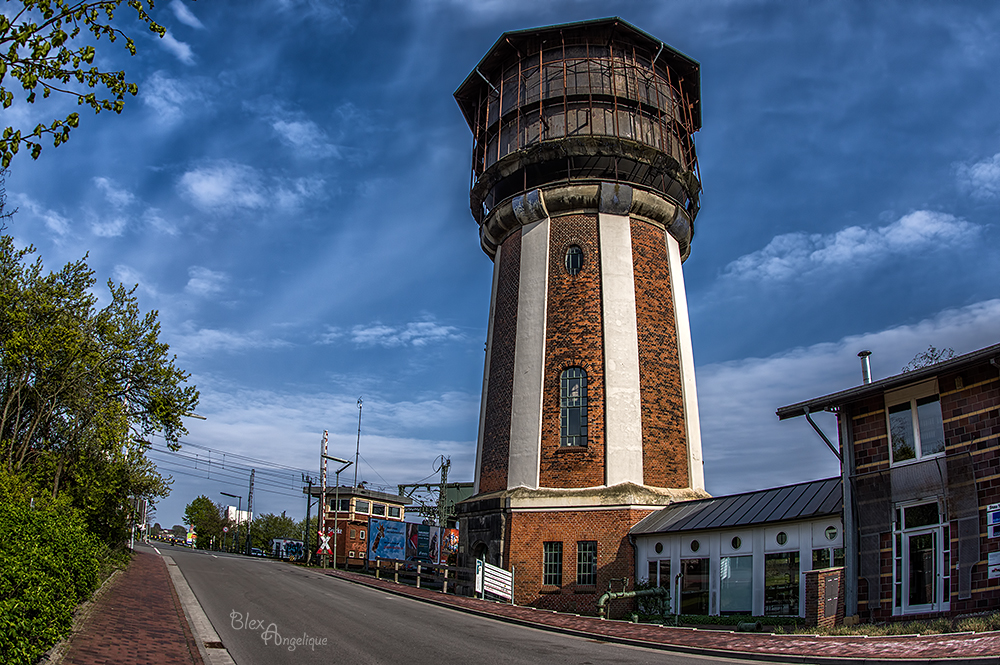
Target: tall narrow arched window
column 573, row 407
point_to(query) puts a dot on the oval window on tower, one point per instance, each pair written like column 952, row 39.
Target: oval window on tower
column 574, row 259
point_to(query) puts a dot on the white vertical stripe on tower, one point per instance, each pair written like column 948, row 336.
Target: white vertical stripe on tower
column 623, row 407
column 685, row 351
column 529, row 357
column 486, row 367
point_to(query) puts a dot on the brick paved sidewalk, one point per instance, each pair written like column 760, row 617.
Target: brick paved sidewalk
column 956, row 647
column 137, row 620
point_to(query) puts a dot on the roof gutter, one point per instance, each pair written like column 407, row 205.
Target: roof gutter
column 821, row 434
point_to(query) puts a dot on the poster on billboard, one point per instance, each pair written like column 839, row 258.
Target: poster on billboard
column 387, row 539
column 423, row 543
column 449, row 547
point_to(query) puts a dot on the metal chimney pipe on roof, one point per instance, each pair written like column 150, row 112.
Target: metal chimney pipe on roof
column 866, row 366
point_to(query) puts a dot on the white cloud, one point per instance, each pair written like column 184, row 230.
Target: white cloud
column 745, row 446
column 153, row 217
column 180, row 50
column 168, row 97
column 227, row 186
column 110, row 227
column 129, row 276
column 115, row 195
column 204, row 282
column 192, row 341
column 415, row 333
column 982, row 179
column 223, row 185
column 53, row 221
column 185, row 16
column 795, row 254
column 304, row 136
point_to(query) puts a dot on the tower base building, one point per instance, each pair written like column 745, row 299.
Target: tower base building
column 585, row 189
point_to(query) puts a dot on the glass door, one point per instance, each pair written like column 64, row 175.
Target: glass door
column 920, row 582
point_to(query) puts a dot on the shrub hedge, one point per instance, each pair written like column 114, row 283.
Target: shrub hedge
column 49, row 564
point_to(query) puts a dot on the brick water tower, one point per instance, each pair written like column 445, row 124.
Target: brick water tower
column 585, row 186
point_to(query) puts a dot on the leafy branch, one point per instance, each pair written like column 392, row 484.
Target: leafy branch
column 44, row 46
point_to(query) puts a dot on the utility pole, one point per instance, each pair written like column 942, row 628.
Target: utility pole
column 443, row 494
column 336, row 502
column 309, row 496
column 357, row 451
column 321, row 520
column 250, row 511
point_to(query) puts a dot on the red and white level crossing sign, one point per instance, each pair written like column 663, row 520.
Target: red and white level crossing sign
column 324, row 543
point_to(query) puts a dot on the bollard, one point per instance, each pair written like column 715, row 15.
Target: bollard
column 395, row 575
column 418, row 575
column 446, row 580
column 378, row 568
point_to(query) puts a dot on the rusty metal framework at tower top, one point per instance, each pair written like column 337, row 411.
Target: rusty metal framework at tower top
column 591, row 101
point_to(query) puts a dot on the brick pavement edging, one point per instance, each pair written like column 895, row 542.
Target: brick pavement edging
column 954, row 649
column 55, row 655
column 135, row 617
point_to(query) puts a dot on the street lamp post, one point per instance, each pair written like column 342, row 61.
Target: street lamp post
column 336, row 502
column 239, row 505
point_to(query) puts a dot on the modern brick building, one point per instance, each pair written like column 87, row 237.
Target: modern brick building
column 585, row 187
column 921, row 475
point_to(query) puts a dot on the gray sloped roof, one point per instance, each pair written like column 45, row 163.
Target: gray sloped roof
column 776, row 504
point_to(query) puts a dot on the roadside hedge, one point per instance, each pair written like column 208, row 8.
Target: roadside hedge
column 49, row 564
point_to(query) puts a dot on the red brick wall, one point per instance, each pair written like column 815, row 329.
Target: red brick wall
column 664, row 438
column 816, row 581
column 573, row 338
column 499, row 391
column 971, row 425
column 615, row 557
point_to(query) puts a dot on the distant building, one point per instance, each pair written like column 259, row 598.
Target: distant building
column 585, row 187
column 921, row 473
column 357, row 505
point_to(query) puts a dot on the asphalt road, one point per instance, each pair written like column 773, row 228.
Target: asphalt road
column 257, row 605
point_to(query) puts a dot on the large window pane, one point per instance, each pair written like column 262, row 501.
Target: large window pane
column 573, row 407
column 694, row 586
column 586, row 562
column 901, row 429
column 931, row 426
column 552, row 564
column 781, row 584
column 736, row 574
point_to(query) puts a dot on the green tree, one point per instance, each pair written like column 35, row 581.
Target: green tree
column 207, row 519
column 82, row 388
column 178, row 531
column 269, row 526
column 931, row 356
column 49, row 44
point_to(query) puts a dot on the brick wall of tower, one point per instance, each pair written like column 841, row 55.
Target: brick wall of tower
column 573, row 338
column 615, row 557
column 499, row 391
column 664, row 437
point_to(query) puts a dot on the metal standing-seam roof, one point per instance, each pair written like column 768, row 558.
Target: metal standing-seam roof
column 777, row 504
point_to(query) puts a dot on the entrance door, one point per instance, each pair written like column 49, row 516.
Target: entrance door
column 920, row 582
column 922, row 556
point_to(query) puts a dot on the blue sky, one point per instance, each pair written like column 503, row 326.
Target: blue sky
column 290, row 191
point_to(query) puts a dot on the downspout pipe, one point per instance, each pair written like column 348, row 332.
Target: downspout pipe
column 488, row 82
column 822, row 435
column 603, row 600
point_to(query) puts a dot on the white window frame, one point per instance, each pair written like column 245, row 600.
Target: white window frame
column 911, row 394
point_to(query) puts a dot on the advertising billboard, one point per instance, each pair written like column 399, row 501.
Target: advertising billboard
column 386, row 539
